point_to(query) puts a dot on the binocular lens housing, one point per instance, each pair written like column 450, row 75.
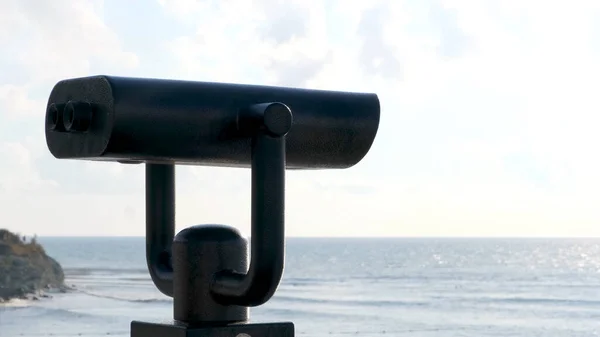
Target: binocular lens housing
column 201, row 123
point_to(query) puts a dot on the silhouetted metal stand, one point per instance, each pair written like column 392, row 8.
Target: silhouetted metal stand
column 205, row 268
column 163, row 123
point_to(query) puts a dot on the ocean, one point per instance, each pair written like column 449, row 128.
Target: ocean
column 347, row 287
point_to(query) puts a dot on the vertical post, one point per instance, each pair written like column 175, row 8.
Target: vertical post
column 160, row 224
column 268, row 123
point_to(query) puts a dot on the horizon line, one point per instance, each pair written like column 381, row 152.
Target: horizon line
column 345, row 237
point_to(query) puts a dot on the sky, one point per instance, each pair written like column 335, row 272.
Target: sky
column 489, row 112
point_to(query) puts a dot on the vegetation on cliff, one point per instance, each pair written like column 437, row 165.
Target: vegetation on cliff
column 25, row 269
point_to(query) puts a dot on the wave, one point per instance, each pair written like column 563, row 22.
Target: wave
column 136, row 279
column 47, row 312
column 545, row 301
column 15, row 303
column 105, row 271
column 293, row 313
column 277, row 298
column 298, row 281
column 125, row 299
column 41, row 295
column 350, row 302
column 33, row 310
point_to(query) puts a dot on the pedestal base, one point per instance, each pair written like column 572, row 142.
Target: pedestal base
column 146, row 329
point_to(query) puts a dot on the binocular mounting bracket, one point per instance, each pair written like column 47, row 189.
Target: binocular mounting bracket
column 205, row 268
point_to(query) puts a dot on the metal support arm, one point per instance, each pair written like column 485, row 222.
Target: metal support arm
column 268, row 125
column 160, row 224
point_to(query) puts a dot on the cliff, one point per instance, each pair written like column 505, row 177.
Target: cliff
column 25, row 269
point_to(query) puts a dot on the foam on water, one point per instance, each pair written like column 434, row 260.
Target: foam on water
column 131, row 298
column 15, row 303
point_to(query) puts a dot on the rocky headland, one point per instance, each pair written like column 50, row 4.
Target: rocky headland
column 26, row 272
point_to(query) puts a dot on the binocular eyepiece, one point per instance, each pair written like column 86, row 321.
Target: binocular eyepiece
column 71, row 117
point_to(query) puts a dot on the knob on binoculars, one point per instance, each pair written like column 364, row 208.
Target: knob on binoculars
column 206, row 269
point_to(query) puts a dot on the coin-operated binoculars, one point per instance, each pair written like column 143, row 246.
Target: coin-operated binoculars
column 206, row 269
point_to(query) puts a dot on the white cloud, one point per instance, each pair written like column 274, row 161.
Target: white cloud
column 15, row 103
column 43, row 43
column 59, row 39
column 232, row 44
column 488, row 122
column 18, row 172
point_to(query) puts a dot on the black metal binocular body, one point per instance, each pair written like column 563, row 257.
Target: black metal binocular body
column 206, row 269
column 182, row 122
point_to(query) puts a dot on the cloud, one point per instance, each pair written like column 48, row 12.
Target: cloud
column 48, row 42
column 377, row 56
column 453, row 41
column 488, row 118
column 252, row 42
column 284, row 22
column 18, row 173
column 15, row 103
column 58, row 39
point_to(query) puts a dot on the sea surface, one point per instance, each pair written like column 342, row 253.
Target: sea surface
column 348, row 287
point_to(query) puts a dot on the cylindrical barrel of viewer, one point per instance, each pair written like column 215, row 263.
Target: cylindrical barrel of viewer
column 184, row 122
